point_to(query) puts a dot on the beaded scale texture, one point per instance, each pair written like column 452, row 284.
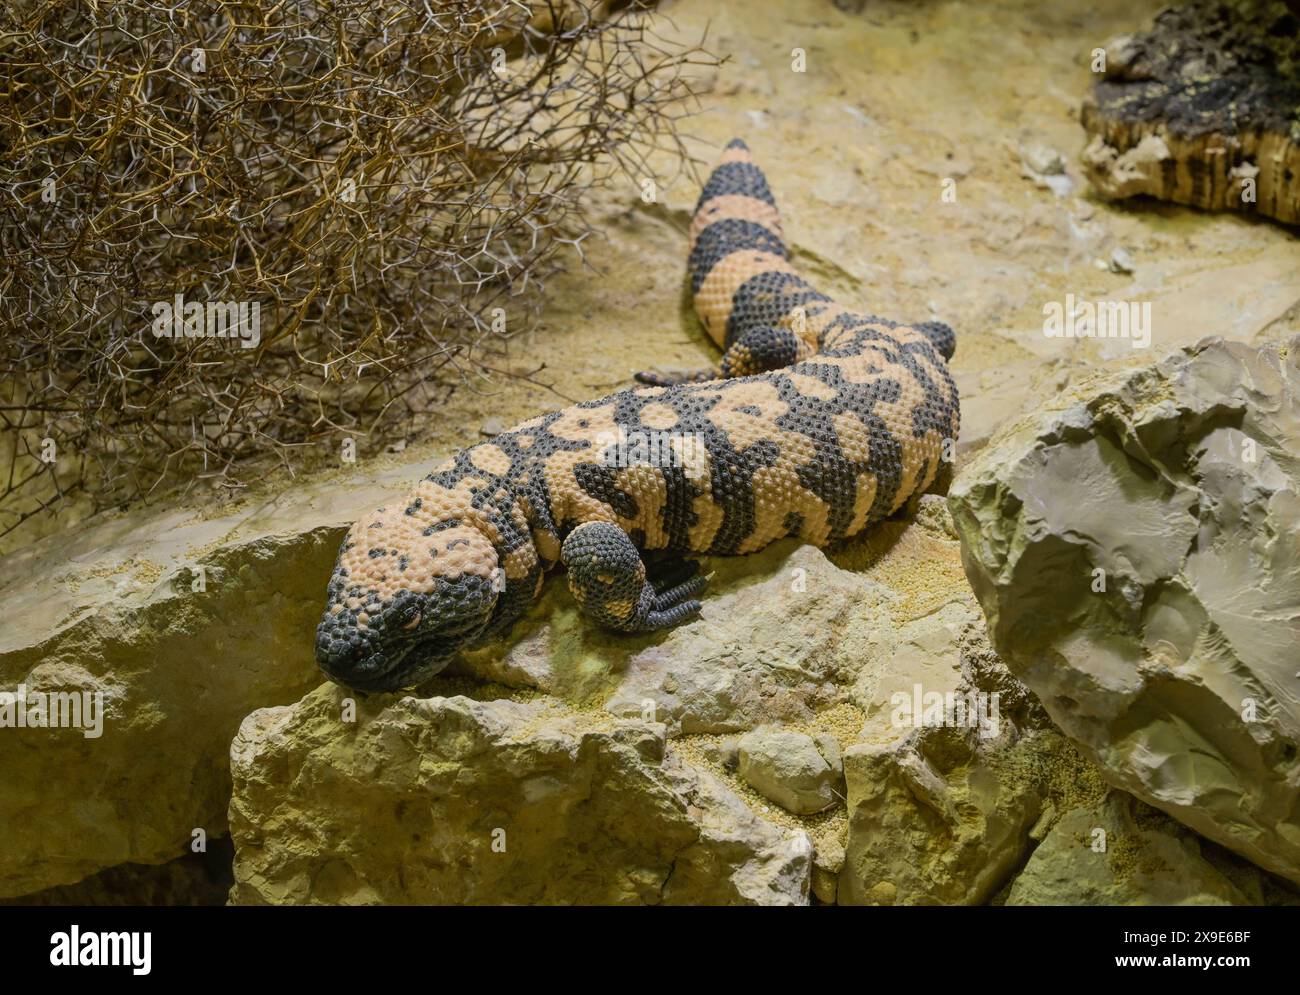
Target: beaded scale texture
column 818, row 422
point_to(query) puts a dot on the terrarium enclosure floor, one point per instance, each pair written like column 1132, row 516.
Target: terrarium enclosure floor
column 896, row 100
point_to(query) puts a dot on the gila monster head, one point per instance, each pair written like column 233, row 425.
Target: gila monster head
column 405, row 596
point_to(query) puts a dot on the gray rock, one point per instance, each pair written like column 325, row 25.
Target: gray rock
column 1134, row 550
column 799, row 773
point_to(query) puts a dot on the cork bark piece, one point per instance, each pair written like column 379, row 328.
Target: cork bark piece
column 1202, row 109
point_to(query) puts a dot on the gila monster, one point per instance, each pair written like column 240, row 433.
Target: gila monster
column 818, row 422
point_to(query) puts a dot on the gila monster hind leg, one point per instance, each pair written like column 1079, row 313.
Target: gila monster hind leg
column 652, row 379
column 608, row 579
column 762, row 348
column 758, row 349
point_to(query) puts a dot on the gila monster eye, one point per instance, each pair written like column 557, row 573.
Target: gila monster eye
column 415, row 620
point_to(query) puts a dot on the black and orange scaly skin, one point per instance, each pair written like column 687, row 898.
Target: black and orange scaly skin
column 818, row 422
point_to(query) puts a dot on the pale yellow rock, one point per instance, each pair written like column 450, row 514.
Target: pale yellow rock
column 802, row 775
column 449, row 800
column 1119, row 852
column 780, row 632
column 828, row 861
column 940, row 819
column 114, row 611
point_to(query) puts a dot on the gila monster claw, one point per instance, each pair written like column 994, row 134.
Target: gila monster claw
column 674, row 595
column 653, row 379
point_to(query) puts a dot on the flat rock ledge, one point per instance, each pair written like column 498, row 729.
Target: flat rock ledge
column 451, row 800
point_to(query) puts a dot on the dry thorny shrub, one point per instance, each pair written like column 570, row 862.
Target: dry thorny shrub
column 386, row 181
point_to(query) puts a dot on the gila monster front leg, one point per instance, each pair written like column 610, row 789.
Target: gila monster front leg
column 608, row 579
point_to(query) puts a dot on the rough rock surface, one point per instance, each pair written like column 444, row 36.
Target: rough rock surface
column 1202, row 109
column 827, row 653
column 1121, row 853
column 801, row 773
column 458, row 801
column 1136, row 549
column 114, row 609
column 780, row 630
column 941, row 819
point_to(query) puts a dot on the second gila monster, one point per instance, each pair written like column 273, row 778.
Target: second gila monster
column 818, row 422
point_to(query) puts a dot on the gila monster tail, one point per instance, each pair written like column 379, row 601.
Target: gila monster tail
column 740, row 270
column 747, row 293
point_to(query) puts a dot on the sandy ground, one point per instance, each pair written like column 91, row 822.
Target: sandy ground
column 898, row 103
column 895, row 101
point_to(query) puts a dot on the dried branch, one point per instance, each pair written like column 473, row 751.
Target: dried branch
column 386, row 181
